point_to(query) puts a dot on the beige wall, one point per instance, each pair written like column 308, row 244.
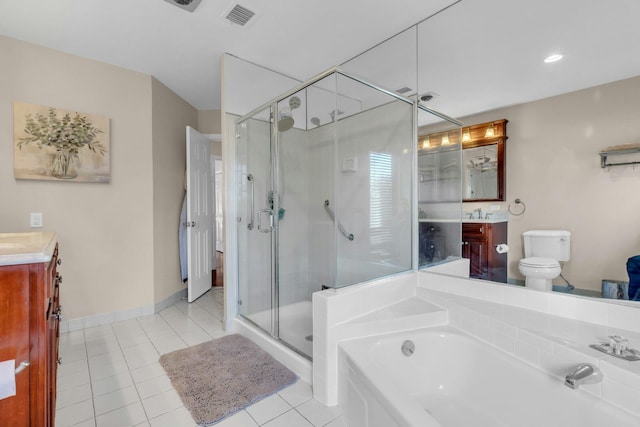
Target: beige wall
column 170, row 115
column 554, row 167
column 210, row 121
column 118, row 240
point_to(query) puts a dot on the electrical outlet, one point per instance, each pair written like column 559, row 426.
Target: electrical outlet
column 495, row 207
column 35, row 220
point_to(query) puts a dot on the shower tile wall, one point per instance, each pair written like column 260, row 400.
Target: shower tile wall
column 256, row 264
column 295, row 231
column 321, row 187
column 385, row 130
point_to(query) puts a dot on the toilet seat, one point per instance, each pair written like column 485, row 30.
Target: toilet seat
column 535, row 262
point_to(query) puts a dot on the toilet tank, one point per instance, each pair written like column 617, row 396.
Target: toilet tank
column 555, row 244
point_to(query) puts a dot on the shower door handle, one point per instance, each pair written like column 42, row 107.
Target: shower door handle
column 262, row 229
column 251, row 182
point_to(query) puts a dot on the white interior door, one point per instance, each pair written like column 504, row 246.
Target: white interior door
column 199, row 214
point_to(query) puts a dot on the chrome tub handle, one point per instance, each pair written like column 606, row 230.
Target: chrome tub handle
column 333, row 218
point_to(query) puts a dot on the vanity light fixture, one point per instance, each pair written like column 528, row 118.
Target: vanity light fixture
column 553, row 58
column 425, row 144
column 466, row 135
column 490, row 132
column 445, row 140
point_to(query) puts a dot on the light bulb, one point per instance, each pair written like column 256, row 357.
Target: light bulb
column 466, row 136
column 489, row 133
column 425, row 144
column 445, row 140
column 553, row 58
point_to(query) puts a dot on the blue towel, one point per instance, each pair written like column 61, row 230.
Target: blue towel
column 182, row 237
column 633, row 270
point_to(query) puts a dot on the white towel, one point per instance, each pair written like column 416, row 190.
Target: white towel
column 7, row 379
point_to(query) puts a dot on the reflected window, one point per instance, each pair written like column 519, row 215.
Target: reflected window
column 380, row 204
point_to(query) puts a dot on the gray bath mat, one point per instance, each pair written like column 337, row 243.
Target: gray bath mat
column 217, row 378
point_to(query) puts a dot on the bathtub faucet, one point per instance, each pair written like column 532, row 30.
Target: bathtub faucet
column 585, row 373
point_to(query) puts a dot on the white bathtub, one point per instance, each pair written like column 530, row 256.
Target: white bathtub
column 455, row 380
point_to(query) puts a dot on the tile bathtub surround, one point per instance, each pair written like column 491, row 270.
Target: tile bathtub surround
column 110, row 374
column 546, row 330
column 334, row 307
column 615, row 314
column 547, row 341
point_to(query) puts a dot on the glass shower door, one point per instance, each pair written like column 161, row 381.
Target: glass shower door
column 255, row 239
column 296, row 202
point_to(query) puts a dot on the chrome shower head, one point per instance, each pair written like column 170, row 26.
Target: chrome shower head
column 285, row 123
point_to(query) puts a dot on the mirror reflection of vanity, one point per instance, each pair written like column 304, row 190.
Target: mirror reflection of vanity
column 481, row 177
column 483, row 161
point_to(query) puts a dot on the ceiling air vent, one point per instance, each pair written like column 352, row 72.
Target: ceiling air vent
column 188, row 5
column 240, row 15
column 403, row 90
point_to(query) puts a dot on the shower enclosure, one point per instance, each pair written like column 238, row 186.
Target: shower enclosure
column 325, row 186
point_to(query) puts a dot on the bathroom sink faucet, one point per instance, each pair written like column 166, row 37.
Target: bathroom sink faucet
column 585, row 373
column 479, row 210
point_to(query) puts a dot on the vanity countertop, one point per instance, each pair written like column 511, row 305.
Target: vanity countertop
column 465, row 220
column 26, row 248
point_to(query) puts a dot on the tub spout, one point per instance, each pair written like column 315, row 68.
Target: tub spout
column 585, row 373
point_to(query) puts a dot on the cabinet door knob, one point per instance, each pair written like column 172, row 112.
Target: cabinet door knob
column 59, row 278
column 59, row 360
column 59, row 262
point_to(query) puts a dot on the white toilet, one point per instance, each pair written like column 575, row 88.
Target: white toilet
column 543, row 251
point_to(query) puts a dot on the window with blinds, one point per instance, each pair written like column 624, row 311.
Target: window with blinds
column 380, row 204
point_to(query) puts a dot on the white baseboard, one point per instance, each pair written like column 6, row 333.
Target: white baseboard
column 117, row 316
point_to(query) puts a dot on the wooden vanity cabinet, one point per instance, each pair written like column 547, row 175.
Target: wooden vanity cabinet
column 29, row 330
column 479, row 241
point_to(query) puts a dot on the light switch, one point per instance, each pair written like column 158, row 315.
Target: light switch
column 36, row 220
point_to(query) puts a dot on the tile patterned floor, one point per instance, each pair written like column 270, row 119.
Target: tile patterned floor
column 111, row 377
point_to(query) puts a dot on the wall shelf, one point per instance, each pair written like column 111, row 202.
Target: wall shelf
column 616, row 151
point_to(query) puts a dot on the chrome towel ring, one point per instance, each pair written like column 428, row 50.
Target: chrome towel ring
column 518, row 202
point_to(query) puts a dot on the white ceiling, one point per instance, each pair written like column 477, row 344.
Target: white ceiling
column 477, row 55
column 182, row 49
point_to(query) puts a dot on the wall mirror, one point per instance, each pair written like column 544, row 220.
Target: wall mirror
column 483, row 61
column 561, row 115
column 483, row 162
column 483, row 158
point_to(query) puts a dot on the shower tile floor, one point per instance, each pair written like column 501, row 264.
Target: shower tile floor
column 110, row 375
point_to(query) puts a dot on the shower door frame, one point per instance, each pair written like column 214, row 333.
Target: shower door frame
column 274, row 191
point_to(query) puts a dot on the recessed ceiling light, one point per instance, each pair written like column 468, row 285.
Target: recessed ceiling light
column 553, row 58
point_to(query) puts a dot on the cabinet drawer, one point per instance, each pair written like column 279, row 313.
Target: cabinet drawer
column 473, row 229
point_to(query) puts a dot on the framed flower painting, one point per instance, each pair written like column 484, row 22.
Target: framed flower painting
column 61, row 145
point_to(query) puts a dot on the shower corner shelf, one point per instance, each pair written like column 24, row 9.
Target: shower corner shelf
column 619, row 150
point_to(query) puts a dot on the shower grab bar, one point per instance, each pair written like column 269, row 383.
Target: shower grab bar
column 333, row 218
column 250, row 179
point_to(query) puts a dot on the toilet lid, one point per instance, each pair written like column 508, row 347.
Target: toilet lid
column 539, row 262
